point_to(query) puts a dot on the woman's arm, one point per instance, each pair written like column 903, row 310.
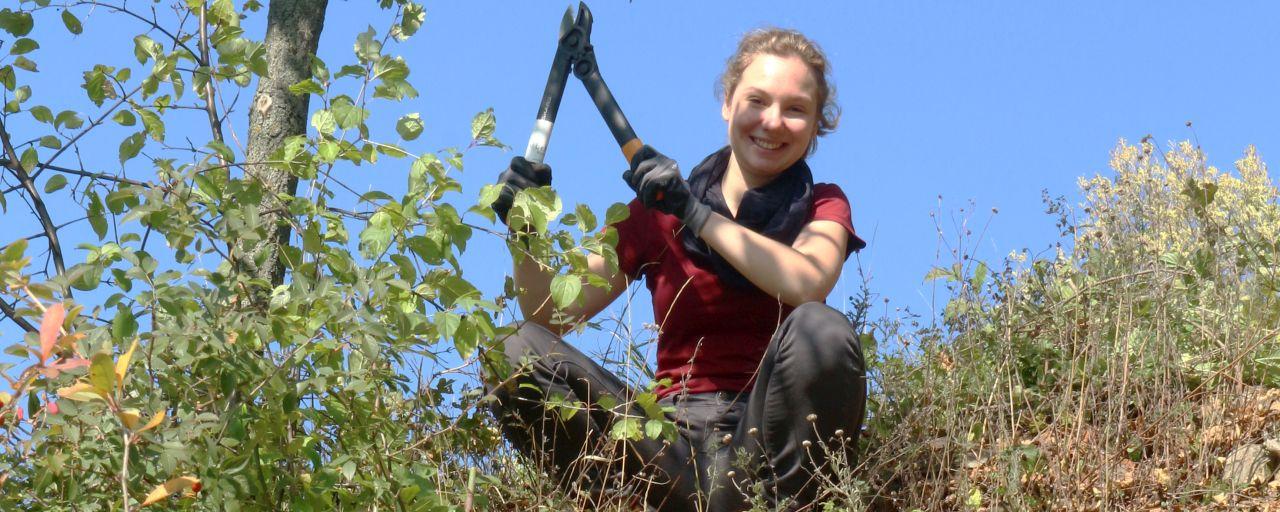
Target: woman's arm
column 804, row 272
column 533, row 282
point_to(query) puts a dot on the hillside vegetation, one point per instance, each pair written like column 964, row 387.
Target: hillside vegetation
column 1120, row 373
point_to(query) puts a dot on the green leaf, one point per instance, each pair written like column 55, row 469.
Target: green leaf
column 409, row 126
column 367, row 48
column 42, row 113
column 936, row 273
column 483, row 125
column 102, row 372
column 447, row 324
column 348, row 115
column 29, row 159
column 223, row 12
column 319, row 70
column 307, row 86
column 653, row 429
column 376, row 237
column 626, row 428
column 144, row 49
column 95, row 83
column 55, row 183
column 23, row 46
column 51, row 142
column 224, row 152
column 324, row 122
column 131, row 146
column 71, row 22
column 413, row 17
column 17, row 23
column 7, row 77
column 352, row 70
column 68, row 118
column 979, row 276
column 565, row 289
column 616, row 213
column 124, row 326
column 24, row 63
column 488, row 194
column 586, row 218
column 124, row 118
column 152, row 124
column 327, row 151
column 97, row 214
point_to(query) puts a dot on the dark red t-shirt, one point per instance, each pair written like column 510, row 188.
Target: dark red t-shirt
column 711, row 337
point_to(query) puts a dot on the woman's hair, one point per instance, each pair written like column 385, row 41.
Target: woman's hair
column 785, row 43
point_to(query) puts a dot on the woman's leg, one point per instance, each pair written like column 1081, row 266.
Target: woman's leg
column 543, row 368
column 811, row 385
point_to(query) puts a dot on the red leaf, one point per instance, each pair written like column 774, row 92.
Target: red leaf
column 49, row 328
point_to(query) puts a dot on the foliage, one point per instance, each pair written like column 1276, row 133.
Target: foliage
column 178, row 377
column 1113, row 374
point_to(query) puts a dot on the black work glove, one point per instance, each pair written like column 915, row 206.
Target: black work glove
column 520, row 175
column 657, row 182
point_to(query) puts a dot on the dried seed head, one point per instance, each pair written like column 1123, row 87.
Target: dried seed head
column 753, row 431
column 731, row 474
column 839, row 432
column 727, row 438
column 811, row 417
column 806, row 443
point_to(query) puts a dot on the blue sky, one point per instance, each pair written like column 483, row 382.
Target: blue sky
column 982, row 103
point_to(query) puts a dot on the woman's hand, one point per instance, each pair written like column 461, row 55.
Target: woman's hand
column 521, row 174
column 657, row 182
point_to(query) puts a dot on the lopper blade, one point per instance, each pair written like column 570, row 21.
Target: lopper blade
column 566, row 23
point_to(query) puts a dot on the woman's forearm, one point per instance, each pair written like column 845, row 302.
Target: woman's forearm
column 533, row 285
column 804, row 273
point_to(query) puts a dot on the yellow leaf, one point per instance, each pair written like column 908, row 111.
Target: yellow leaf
column 80, row 392
column 5, row 398
column 102, row 373
column 154, row 421
column 129, row 417
column 122, row 365
column 167, row 489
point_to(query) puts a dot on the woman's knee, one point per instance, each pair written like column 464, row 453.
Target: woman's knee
column 821, row 336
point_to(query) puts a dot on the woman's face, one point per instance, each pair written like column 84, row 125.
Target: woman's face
column 772, row 116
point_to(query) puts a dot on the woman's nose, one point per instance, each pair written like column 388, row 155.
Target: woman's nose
column 771, row 118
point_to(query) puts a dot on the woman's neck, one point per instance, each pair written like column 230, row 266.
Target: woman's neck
column 736, row 183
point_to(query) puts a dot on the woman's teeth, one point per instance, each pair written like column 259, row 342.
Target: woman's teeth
column 766, row 144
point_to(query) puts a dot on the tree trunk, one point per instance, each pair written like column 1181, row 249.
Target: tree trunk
column 293, row 34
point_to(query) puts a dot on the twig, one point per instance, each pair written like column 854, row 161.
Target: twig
column 5, row 162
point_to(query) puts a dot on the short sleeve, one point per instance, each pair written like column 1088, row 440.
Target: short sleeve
column 830, row 203
column 633, row 233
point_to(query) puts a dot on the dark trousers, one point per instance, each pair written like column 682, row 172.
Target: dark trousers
column 776, row 442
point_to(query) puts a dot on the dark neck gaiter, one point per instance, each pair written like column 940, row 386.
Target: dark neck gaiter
column 778, row 210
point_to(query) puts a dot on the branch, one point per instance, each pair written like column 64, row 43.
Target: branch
column 210, row 92
column 55, row 247
column 13, row 315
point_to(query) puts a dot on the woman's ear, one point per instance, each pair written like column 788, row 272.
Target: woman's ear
column 724, row 110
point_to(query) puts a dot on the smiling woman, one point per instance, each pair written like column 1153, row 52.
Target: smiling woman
column 764, row 382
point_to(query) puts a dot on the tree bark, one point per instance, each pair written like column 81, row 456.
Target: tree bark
column 293, row 34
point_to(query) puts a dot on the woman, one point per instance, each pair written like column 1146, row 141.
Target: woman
column 766, row 382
